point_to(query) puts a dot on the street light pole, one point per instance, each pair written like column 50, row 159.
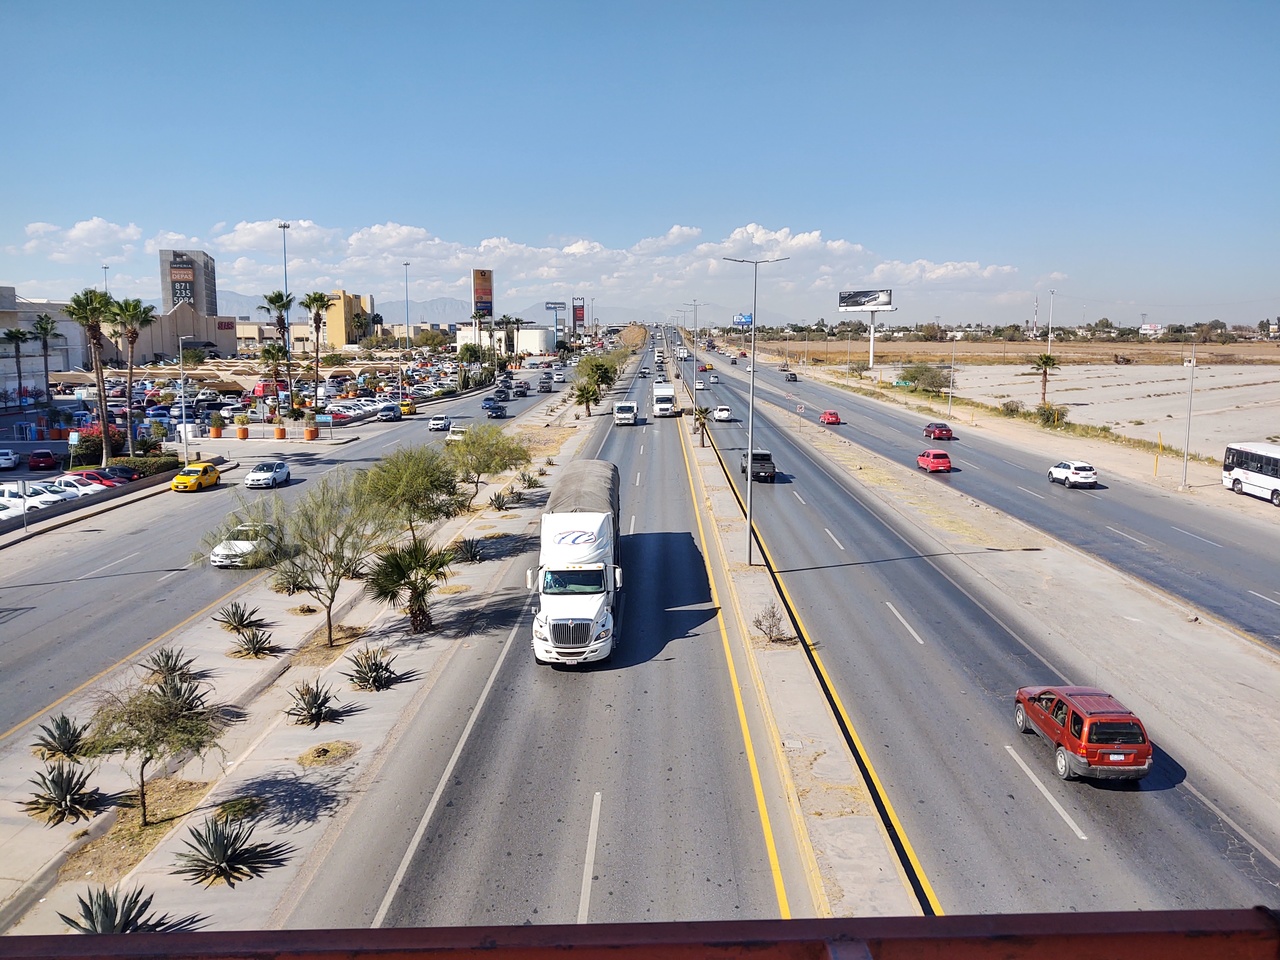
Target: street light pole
column 952, row 388
column 1191, row 390
column 105, row 268
column 751, row 401
column 182, row 385
column 1051, row 293
column 694, row 304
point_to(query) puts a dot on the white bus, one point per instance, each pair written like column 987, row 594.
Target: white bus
column 1253, row 468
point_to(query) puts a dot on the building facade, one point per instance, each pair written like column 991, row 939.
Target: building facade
column 188, row 276
column 68, row 348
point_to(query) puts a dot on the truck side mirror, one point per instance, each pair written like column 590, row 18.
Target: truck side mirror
column 617, row 578
column 528, row 578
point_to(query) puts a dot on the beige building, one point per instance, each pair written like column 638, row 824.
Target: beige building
column 67, row 351
column 159, row 340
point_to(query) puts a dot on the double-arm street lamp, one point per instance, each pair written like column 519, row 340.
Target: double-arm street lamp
column 751, row 401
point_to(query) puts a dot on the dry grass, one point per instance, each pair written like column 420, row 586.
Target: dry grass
column 121, row 848
column 836, row 353
column 544, row 442
column 316, row 652
column 303, row 610
column 327, row 754
column 452, row 588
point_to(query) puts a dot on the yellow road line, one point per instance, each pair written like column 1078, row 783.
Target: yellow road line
column 119, row 663
column 779, row 887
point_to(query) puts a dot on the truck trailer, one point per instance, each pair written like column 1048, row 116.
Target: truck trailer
column 578, row 576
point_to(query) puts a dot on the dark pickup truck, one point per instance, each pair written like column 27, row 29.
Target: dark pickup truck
column 762, row 467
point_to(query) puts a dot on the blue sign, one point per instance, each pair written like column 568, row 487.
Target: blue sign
column 742, row 320
column 324, row 418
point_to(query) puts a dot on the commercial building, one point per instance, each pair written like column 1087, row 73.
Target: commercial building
column 67, row 349
column 527, row 340
column 188, row 276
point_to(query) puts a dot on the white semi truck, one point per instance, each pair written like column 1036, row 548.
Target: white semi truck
column 578, row 576
column 664, row 400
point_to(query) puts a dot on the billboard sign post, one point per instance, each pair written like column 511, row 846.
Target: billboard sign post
column 556, row 306
column 868, row 301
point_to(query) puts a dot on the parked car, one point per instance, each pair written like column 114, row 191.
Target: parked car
column 195, row 476
column 722, row 414
column 1092, row 733
column 97, row 475
column 9, row 459
column 269, row 473
column 830, row 417
column 937, row 431
column 44, row 488
column 32, row 500
column 78, row 485
column 439, row 423
column 127, row 474
column 934, row 461
column 248, row 545
column 42, row 460
column 1073, row 473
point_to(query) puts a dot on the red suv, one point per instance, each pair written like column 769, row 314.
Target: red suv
column 1092, row 733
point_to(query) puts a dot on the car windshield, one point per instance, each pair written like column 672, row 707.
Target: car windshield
column 1116, row 731
column 573, row 581
column 190, row 472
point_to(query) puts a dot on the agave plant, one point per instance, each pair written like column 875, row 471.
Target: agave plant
column 289, row 580
column 516, row 496
column 312, row 703
column 237, row 618
column 60, row 794
column 221, row 850
column 542, row 471
column 531, row 482
column 170, row 662
column 61, row 739
column 255, row 643
column 182, row 694
column 498, row 501
column 468, row 550
column 108, row 911
column 371, row 669
column 550, row 461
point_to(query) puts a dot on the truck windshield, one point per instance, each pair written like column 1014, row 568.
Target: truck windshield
column 573, row 581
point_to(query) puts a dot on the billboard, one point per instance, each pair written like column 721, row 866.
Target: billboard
column 182, row 279
column 482, row 292
column 742, row 319
column 860, row 300
column 579, row 313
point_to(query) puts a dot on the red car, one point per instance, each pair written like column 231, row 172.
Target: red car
column 831, row 417
column 934, row 461
column 42, row 460
column 937, row 431
column 98, row 476
column 1092, row 733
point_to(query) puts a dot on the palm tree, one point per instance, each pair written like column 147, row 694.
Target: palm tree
column 508, row 345
column 17, row 336
column 701, row 417
column 45, row 329
column 91, row 308
column 408, row 575
column 1042, row 365
column 316, row 304
column 360, row 326
column 129, row 318
column 271, row 356
column 585, row 394
column 278, row 304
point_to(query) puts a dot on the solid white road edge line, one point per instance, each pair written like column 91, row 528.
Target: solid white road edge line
column 903, row 621
column 1047, row 795
column 1126, row 536
column 589, row 865
column 447, row 775
column 1232, row 824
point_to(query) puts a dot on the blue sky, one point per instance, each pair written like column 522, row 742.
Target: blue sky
column 969, row 156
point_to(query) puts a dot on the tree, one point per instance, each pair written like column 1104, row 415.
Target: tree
column 418, row 485
column 91, row 308
column 585, row 393
column 17, row 336
column 923, row 376
column 408, row 575
column 271, row 356
column 470, row 353
column 1042, row 365
column 128, row 319
column 45, row 329
column 701, row 417
column 328, row 535
column 359, row 326
column 484, row 450
column 278, row 304
column 155, row 719
column 599, row 371
column 316, row 303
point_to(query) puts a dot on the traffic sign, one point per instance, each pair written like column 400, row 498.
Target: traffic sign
column 799, row 408
column 324, row 418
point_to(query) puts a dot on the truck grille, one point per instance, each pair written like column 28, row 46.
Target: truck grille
column 571, row 633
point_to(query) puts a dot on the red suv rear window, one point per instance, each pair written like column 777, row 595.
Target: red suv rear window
column 1115, row 731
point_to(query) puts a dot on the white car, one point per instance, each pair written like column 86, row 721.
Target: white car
column 557, row 377
column 78, row 485
column 714, row 378
column 33, row 499
column 439, row 423
column 249, row 544
column 8, row 460
column 722, row 414
column 269, row 473
column 1073, row 473
column 45, row 489
column 699, row 385
column 456, row 432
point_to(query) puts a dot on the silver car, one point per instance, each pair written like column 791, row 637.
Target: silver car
column 270, row 473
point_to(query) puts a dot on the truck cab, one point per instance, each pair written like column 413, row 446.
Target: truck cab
column 625, row 412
